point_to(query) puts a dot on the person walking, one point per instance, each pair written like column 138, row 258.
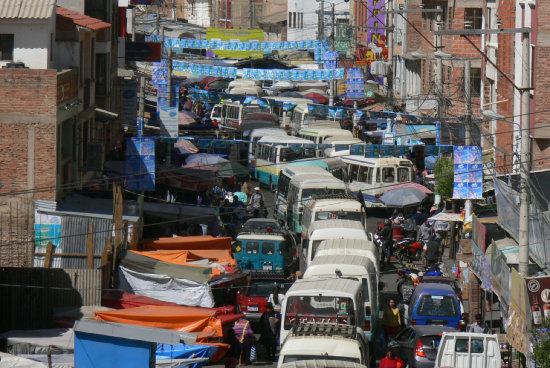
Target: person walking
column 245, row 335
column 479, row 326
column 391, row 360
column 386, row 235
column 276, row 298
column 425, row 232
column 268, row 338
column 391, row 320
column 256, row 202
column 234, row 352
column 432, row 251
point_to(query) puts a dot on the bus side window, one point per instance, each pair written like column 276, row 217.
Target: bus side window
column 369, row 175
column 388, row 175
column 378, row 175
column 353, row 170
column 363, row 174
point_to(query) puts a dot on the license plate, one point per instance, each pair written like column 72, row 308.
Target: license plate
column 268, row 268
column 252, row 308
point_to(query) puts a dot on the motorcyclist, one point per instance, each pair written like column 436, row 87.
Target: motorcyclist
column 256, row 202
column 386, row 236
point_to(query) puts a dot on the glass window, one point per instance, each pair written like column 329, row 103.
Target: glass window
column 378, row 175
column 252, row 247
column 268, row 248
column 353, row 171
column 261, row 289
column 431, row 340
column 310, row 309
column 473, row 17
column 403, row 174
column 437, row 306
column 308, row 193
column 365, row 283
column 388, row 175
column 338, row 215
column 369, row 176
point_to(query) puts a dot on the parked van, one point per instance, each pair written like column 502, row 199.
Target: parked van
column 264, row 251
column 255, row 136
column 473, row 350
column 352, row 247
column 330, row 300
column 357, row 267
column 304, row 187
column 229, row 115
column 339, row 146
column 331, row 207
column 373, row 176
column 332, row 342
column 318, row 135
column 331, row 229
column 434, row 304
column 283, row 185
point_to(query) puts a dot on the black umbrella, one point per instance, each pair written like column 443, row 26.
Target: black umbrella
column 403, row 197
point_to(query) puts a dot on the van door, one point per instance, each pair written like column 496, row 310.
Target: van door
column 268, row 256
column 251, row 258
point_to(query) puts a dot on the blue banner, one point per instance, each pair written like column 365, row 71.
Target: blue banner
column 355, row 84
column 468, row 172
column 140, row 163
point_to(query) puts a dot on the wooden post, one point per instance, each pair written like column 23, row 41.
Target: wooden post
column 48, row 259
column 118, row 208
column 90, row 246
column 106, row 251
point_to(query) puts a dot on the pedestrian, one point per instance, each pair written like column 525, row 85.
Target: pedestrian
column 256, row 202
column 479, row 326
column 245, row 189
column 245, row 335
column 386, row 235
column 234, row 352
column 442, row 228
column 432, row 251
column 391, row 320
column 425, row 232
column 276, row 298
column 268, row 338
column 419, row 217
column 391, row 360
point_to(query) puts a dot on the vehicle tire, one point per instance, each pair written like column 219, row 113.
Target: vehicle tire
column 400, row 284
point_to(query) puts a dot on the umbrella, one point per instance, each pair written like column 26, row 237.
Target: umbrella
column 205, row 159
column 411, row 185
column 317, row 97
column 315, row 90
column 403, row 197
column 185, row 146
column 230, row 169
column 199, row 166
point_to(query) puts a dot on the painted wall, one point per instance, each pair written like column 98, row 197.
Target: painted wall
column 32, row 42
column 198, row 12
column 307, row 30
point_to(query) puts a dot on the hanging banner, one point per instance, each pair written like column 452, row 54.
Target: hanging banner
column 516, row 324
column 355, row 84
column 468, row 172
column 47, row 228
column 129, row 101
column 234, row 43
column 538, row 295
column 140, row 163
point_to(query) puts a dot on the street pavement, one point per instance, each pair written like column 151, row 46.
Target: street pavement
column 388, row 277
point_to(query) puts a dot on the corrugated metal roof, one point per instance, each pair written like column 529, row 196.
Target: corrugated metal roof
column 319, row 286
column 81, row 19
column 27, row 9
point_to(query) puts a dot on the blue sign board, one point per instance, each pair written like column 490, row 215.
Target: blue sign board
column 140, row 163
column 468, row 172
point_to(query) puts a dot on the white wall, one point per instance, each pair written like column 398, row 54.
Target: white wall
column 199, row 13
column 67, row 54
column 32, row 41
column 310, row 25
column 74, row 5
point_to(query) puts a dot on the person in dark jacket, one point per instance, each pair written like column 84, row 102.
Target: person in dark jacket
column 268, row 338
column 386, row 235
column 233, row 354
column 432, row 251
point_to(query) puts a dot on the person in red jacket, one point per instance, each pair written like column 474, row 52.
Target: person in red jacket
column 391, row 361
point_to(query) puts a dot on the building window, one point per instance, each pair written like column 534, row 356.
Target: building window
column 294, row 20
column 473, row 18
column 101, row 74
column 475, row 80
column 301, row 20
column 6, row 46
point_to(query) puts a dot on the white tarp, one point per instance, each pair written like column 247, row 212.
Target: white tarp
column 166, row 288
column 449, row 217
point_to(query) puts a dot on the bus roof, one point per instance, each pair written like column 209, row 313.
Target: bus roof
column 292, row 171
column 334, row 204
column 376, row 161
column 273, row 132
column 283, row 139
column 342, row 140
column 350, row 265
column 353, row 245
column 301, row 180
column 297, row 100
column 322, row 131
column 335, row 285
column 340, row 224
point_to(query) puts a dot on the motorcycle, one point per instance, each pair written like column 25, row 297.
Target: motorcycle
column 407, row 250
column 410, row 276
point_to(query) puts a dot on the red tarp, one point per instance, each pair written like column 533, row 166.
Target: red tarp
column 187, row 243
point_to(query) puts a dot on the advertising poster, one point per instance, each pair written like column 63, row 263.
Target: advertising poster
column 468, row 172
column 232, row 35
column 355, row 84
column 140, row 164
column 538, row 295
column 47, row 228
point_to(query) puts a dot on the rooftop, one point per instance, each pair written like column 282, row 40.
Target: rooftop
column 80, row 19
column 27, row 9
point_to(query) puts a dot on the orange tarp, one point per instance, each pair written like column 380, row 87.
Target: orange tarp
column 187, row 319
column 187, row 243
column 183, row 257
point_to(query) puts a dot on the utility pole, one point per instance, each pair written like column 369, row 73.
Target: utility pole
column 333, row 48
column 389, row 45
column 321, row 21
column 468, row 96
column 169, row 80
column 251, row 14
column 525, row 162
column 174, row 10
column 439, row 66
column 133, row 24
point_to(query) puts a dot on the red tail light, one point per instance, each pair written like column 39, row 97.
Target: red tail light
column 414, row 322
column 377, row 196
column 367, row 325
column 460, row 325
column 419, row 349
column 400, row 273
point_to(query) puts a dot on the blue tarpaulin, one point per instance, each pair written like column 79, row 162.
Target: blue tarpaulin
column 182, row 351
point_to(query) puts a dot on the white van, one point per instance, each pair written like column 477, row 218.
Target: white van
column 318, row 135
column 328, row 343
column 373, row 176
column 466, row 349
column 330, row 300
column 255, row 136
column 358, row 267
column 229, row 115
column 331, row 229
column 304, row 187
column 353, row 247
column 339, row 146
column 331, row 208
column 323, row 363
column 283, row 185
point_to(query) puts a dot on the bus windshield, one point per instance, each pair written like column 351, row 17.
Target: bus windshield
column 308, row 193
column 289, row 155
column 338, row 215
column 311, row 309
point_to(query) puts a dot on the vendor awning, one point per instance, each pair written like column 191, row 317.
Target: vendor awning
column 450, row 217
